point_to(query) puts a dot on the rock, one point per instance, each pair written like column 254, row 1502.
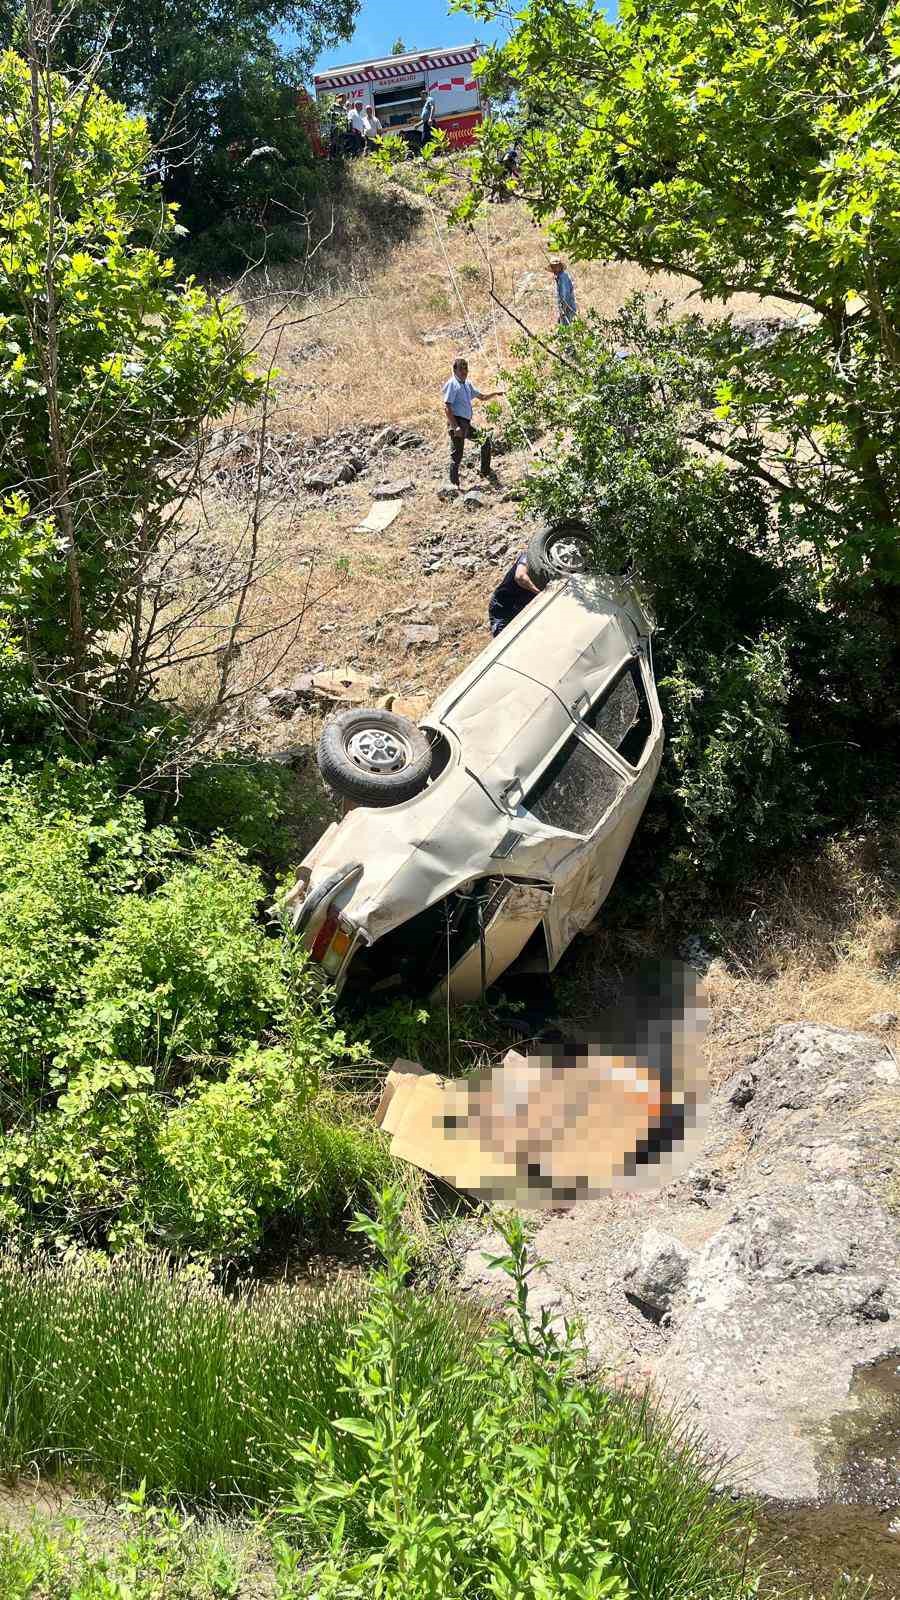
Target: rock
column 420, row 633
column 293, row 755
column 448, row 491
column 473, row 501
column 526, row 285
column 385, row 437
column 693, row 950
column 793, row 1276
column 498, row 548
column 740, row 1089
column 409, row 441
column 329, row 475
column 658, row 1270
column 394, row 489
column 882, row 1020
column 467, row 564
column 283, row 701
column 755, row 332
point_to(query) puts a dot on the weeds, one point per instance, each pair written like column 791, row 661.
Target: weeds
column 126, row 1371
column 552, row 1487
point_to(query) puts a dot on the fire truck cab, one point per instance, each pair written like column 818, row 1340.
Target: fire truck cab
column 397, row 85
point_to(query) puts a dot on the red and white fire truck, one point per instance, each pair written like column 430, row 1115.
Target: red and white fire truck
column 397, row 85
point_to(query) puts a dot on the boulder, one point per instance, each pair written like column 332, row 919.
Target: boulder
column 771, row 1265
column 740, row 1088
column 473, row 501
column 384, row 438
column 420, row 633
column 394, row 489
column 657, row 1270
column 329, row 474
column 283, row 701
column 755, row 332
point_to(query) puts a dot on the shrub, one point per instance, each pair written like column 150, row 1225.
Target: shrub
column 267, row 809
column 769, row 675
column 168, row 1070
column 552, row 1487
column 238, row 1154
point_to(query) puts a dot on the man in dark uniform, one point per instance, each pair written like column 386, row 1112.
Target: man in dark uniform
column 511, row 595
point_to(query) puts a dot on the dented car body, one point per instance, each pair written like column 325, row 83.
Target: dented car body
column 544, row 752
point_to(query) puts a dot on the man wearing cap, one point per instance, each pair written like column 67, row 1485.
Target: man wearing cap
column 565, row 292
column 458, row 396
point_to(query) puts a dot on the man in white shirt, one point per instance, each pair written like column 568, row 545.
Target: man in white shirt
column 458, row 396
column 371, row 127
column 355, row 128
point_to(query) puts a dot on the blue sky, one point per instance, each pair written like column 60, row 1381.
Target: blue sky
column 421, row 24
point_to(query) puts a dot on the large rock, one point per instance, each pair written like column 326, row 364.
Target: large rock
column 773, row 1263
column 329, row 475
column 394, row 489
column 657, row 1270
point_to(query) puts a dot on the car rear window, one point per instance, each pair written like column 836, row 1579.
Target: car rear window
column 575, row 791
column 621, row 716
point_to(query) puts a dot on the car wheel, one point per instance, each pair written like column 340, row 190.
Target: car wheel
column 559, row 552
column 374, row 757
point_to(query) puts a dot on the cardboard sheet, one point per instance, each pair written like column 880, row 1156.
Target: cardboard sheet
column 382, row 514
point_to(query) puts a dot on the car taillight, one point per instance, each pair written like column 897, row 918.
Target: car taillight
column 331, row 943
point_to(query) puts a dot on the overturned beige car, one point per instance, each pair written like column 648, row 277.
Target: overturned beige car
column 484, row 840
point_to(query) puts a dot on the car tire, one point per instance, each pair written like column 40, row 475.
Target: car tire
column 374, row 758
column 559, row 552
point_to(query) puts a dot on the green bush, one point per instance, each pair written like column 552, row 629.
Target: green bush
column 771, row 672
column 158, row 1555
column 256, row 1147
column 271, row 811
column 168, row 1070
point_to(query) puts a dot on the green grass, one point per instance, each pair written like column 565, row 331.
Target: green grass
column 127, row 1372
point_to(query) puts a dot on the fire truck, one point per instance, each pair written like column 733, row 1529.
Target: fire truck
column 397, row 85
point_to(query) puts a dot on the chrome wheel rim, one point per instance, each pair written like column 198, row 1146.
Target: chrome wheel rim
column 568, row 554
column 378, row 750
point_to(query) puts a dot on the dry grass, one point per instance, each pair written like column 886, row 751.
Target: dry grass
column 819, row 943
column 372, row 316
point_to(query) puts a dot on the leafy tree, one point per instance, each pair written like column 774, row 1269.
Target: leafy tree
column 108, row 368
column 398, row 48
column 776, row 716
column 752, row 148
column 215, row 84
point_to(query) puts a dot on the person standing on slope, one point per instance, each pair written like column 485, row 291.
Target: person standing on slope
column 565, row 293
column 458, row 395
